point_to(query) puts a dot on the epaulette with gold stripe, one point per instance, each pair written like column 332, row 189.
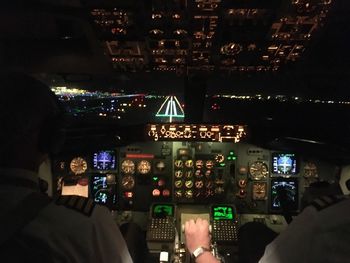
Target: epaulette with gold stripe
column 327, row 201
column 78, row 203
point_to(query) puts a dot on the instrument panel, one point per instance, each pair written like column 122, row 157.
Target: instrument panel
column 191, row 172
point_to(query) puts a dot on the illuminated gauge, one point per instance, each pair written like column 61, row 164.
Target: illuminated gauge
column 290, row 192
column 310, row 170
column 198, row 173
column 209, row 184
column 189, row 163
column 258, row 170
column 128, row 167
column 242, row 183
column 178, row 183
column 208, row 173
column 259, row 191
column 219, row 158
column 178, row 163
column 178, row 174
column 189, row 194
column 189, row 184
column 178, row 193
column 188, row 174
column 160, row 166
column 199, row 164
column 144, row 167
column 128, row 182
column 209, row 164
column 198, row 184
column 78, row 165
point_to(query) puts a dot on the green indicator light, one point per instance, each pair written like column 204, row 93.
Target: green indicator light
column 234, row 158
column 222, row 164
column 155, row 178
column 229, row 158
column 231, row 153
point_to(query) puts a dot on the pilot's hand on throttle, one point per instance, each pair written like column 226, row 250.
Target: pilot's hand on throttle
column 197, row 234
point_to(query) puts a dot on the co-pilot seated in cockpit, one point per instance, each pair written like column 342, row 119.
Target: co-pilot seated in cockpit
column 319, row 234
column 34, row 228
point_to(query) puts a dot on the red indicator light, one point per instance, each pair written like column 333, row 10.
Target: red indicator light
column 139, row 156
column 161, row 182
column 166, row 192
column 128, row 194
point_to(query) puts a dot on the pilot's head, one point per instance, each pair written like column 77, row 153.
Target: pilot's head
column 28, row 117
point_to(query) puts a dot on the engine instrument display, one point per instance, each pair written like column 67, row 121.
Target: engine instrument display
column 284, row 190
column 198, row 132
column 284, row 163
column 162, row 210
column 222, row 212
column 78, row 165
column 104, row 160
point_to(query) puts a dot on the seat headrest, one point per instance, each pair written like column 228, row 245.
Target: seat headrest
column 344, row 181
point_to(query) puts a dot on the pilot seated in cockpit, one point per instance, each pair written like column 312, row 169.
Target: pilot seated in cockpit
column 33, row 227
column 320, row 234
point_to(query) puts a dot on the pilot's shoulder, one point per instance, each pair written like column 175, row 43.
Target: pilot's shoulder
column 82, row 205
column 326, row 201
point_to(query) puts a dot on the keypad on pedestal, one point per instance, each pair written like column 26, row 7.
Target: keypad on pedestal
column 161, row 229
column 224, row 231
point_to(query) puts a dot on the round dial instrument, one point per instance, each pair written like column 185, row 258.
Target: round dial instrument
column 209, row 164
column 189, row 184
column 199, row 164
column 128, row 182
column 78, row 165
column 144, row 167
column 128, row 167
column 189, row 163
column 178, row 174
column 258, row 170
column 219, row 158
column 178, row 163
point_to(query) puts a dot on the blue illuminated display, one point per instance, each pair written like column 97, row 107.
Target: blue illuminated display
column 104, row 160
column 284, row 163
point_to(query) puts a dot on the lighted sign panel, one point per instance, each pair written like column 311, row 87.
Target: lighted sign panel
column 198, row 132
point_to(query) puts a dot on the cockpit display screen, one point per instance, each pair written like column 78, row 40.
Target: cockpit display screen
column 104, row 160
column 162, row 210
column 103, row 189
column 284, row 192
column 198, row 132
column 222, row 212
column 284, row 163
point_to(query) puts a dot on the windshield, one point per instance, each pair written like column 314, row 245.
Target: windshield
column 284, row 61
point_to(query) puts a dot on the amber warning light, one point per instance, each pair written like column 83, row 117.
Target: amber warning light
column 196, row 132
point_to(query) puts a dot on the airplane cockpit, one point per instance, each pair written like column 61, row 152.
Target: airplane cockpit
column 230, row 111
column 176, row 172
